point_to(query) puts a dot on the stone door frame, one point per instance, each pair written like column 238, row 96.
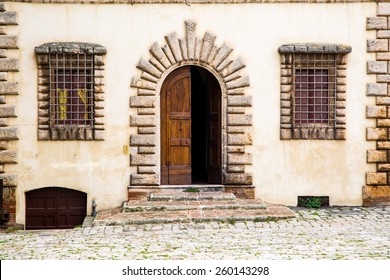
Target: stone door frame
column 236, row 118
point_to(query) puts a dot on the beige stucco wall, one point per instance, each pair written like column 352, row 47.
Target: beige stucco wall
column 282, row 169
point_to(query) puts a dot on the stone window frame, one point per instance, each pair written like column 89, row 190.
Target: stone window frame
column 289, row 130
column 47, row 130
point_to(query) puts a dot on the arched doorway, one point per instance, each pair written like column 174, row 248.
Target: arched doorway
column 190, row 127
column 235, row 141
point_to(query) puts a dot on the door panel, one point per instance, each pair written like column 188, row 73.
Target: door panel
column 214, row 127
column 51, row 208
column 176, row 128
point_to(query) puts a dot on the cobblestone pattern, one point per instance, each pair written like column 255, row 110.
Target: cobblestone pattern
column 177, row 52
column 377, row 189
column 332, row 233
column 8, row 89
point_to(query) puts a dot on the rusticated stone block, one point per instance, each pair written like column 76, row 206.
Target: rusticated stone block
column 376, row 178
column 8, row 18
column 239, row 83
column 7, row 111
column 8, row 133
column 148, row 169
column 236, row 110
column 7, row 157
column 384, row 167
column 236, row 149
column 285, row 134
column 143, row 140
column 9, row 64
column 143, row 84
column 239, row 159
column 237, row 179
column 383, row 100
column 239, row 120
column 8, row 42
column 3, row 76
column 11, row 88
column 376, row 23
column 146, row 111
column 383, row 78
column 374, row 156
column 377, row 89
column 383, row 9
column 236, row 168
column 142, row 101
column 376, row 112
column 383, row 34
column 376, row 195
column 379, row 45
column 239, row 101
column 239, row 139
column 376, row 67
column 144, row 179
column 143, row 121
column 143, row 159
column 147, row 130
column 43, row 134
column 147, row 150
column 383, row 145
column 376, row 134
column 383, row 123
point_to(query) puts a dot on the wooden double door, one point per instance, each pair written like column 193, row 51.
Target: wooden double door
column 190, row 128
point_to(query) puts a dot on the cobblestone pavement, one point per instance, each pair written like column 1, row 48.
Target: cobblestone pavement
column 332, row 233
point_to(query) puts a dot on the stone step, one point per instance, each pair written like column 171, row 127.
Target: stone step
column 119, row 217
column 175, row 205
column 200, row 188
column 190, row 196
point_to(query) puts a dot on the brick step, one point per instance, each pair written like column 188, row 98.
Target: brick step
column 191, row 196
column 119, row 217
column 175, row 205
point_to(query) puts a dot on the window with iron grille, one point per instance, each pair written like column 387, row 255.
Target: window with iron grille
column 313, row 91
column 70, row 91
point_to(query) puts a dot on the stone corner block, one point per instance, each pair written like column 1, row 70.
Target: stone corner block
column 376, row 178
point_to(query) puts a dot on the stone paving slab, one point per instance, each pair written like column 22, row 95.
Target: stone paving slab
column 330, row 233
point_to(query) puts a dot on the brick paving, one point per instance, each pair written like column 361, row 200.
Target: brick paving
column 330, row 233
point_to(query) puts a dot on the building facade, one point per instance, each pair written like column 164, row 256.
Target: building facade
column 271, row 99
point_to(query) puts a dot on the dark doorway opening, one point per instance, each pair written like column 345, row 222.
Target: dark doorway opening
column 205, row 127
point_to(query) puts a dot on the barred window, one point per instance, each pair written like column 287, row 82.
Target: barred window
column 70, row 91
column 313, row 91
column 314, row 96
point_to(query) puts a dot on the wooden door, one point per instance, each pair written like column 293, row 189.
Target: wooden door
column 54, row 208
column 176, row 128
column 214, row 131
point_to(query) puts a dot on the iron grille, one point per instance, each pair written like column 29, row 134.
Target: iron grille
column 71, row 89
column 314, row 99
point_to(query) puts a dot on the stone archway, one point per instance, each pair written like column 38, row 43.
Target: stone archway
column 236, row 103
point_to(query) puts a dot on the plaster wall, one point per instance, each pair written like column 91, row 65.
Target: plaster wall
column 282, row 170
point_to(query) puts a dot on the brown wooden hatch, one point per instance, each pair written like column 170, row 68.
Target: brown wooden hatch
column 55, row 208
